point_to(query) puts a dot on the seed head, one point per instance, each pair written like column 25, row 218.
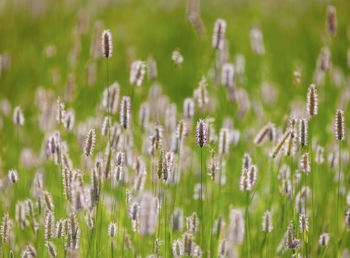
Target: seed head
column 305, row 163
column 178, row 248
column 331, row 23
column 324, row 61
column 60, row 230
column 339, row 128
column 137, row 73
column 312, row 101
column 110, row 98
column 266, row 133
column 319, row 158
column 228, row 75
column 177, row 220
column 188, row 108
column 303, row 223
column 51, row 249
column 125, row 112
column 236, row 228
column 218, row 40
column 256, row 40
column 5, row 228
column 69, row 120
column 106, row 44
column 324, row 239
column 201, row 133
column 347, row 218
column 90, row 142
column 112, row 229
column 291, row 241
column 13, row 176
column 18, row 117
column 267, row 222
column 303, row 132
column 49, row 225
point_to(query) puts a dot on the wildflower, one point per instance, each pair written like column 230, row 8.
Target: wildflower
column 51, row 249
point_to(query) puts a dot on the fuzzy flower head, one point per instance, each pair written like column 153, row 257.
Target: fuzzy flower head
column 18, row 117
column 218, row 40
column 312, row 101
column 201, row 133
column 324, row 239
column 267, row 222
column 107, row 46
column 112, row 229
column 13, row 176
column 125, row 112
column 137, row 73
column 90, row 142
column 339, row 128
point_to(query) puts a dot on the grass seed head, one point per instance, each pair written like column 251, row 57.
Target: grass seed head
column 106, row 44
column 312, row 101
column 267, row 222
column 125, row 112
column 339, row 128
column 90, row 142
column 324, row 239
column 18, row 117
column 218, row 40
column 137, row 72
column 201, row 133
column 331, row 22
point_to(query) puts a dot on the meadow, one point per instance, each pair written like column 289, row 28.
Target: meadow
column 176, row 128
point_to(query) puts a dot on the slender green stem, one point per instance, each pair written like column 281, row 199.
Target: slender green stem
column 165, row 225
column 112, row 249
column 338, row 195
column 201, row 198
column 247, row 217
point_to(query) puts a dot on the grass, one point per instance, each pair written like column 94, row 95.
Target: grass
column 293, row 35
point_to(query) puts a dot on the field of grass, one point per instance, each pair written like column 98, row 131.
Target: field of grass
column 207, row 161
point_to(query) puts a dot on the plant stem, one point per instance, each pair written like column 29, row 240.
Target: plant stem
column 247, row 216
column 201, row 198
column 338, row 195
